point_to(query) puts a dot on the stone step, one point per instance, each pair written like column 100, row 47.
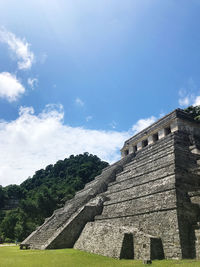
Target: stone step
column 139, row 179
column 118, row 167
column 148, row 152
column 47, row 230
column 152, row 155
column 67, row 233
column 159, row 162
column 43, row 235
column 94, row 184
column 149, row 159
column 152, row 203
column 148, row 167
column 159, row 147
column 141, row 190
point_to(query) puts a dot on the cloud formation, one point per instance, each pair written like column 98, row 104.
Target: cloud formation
column 113, row 124
column 185, row 98
column 189, row 100
column 196, row 101
column 33, row 141
column 32, row 82
column 10, row 87
column 20, row 47
column 189, row 96
column 79, row 102
column 88, row 118
column 142, row 124
column 183, row 102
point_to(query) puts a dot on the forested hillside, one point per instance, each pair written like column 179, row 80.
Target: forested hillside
column 24, row 207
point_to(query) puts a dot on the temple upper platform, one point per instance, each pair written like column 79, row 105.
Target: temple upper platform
column 177, row 120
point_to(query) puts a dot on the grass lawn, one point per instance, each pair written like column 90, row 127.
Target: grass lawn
column 13, row 256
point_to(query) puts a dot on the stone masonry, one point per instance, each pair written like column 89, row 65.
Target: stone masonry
column 145, row 206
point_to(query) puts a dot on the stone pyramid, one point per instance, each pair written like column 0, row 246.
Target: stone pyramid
column 145, row 206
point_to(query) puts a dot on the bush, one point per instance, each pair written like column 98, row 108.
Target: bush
column 8, row 240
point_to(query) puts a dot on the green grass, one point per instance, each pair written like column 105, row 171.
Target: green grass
column 12, row 256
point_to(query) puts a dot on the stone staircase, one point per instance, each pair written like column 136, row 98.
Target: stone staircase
column 145, row 206
column 52, row 233
column 147, row 176
column 150, row 198
column 143, row 193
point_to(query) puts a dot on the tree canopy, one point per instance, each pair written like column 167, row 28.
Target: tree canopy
column 24, row 207
column 194, row 111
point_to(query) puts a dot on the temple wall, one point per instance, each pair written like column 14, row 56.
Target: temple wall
column 151, row 194
column 143, row 197
column 117, row 241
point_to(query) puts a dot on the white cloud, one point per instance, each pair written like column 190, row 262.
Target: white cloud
column 33, row 141
column 185, row 97
column 88, row 118
column 185, row 101
column 113, row 124
column 20, row 47
column 79, row 102
column 142, row 124
column 196, row 101
column 188, row 99
column 32, row 82
column 10, row 87
column 188, row 95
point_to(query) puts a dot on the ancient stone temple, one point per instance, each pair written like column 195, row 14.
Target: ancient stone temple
column 145, row 206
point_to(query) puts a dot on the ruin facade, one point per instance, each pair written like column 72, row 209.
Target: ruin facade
column 145, row 206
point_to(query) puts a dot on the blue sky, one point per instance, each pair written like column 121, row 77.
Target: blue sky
column 80, row 76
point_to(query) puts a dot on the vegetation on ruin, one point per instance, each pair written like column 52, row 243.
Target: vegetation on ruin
column 13, row 257
column 194, row 111
column 39, row 196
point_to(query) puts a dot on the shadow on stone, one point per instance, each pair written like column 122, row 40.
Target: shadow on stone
column 127, row 250
column 157, row 252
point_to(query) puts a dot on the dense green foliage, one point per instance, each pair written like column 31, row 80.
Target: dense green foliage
column 13, row 257
column 194, row 112
column 24, row 207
